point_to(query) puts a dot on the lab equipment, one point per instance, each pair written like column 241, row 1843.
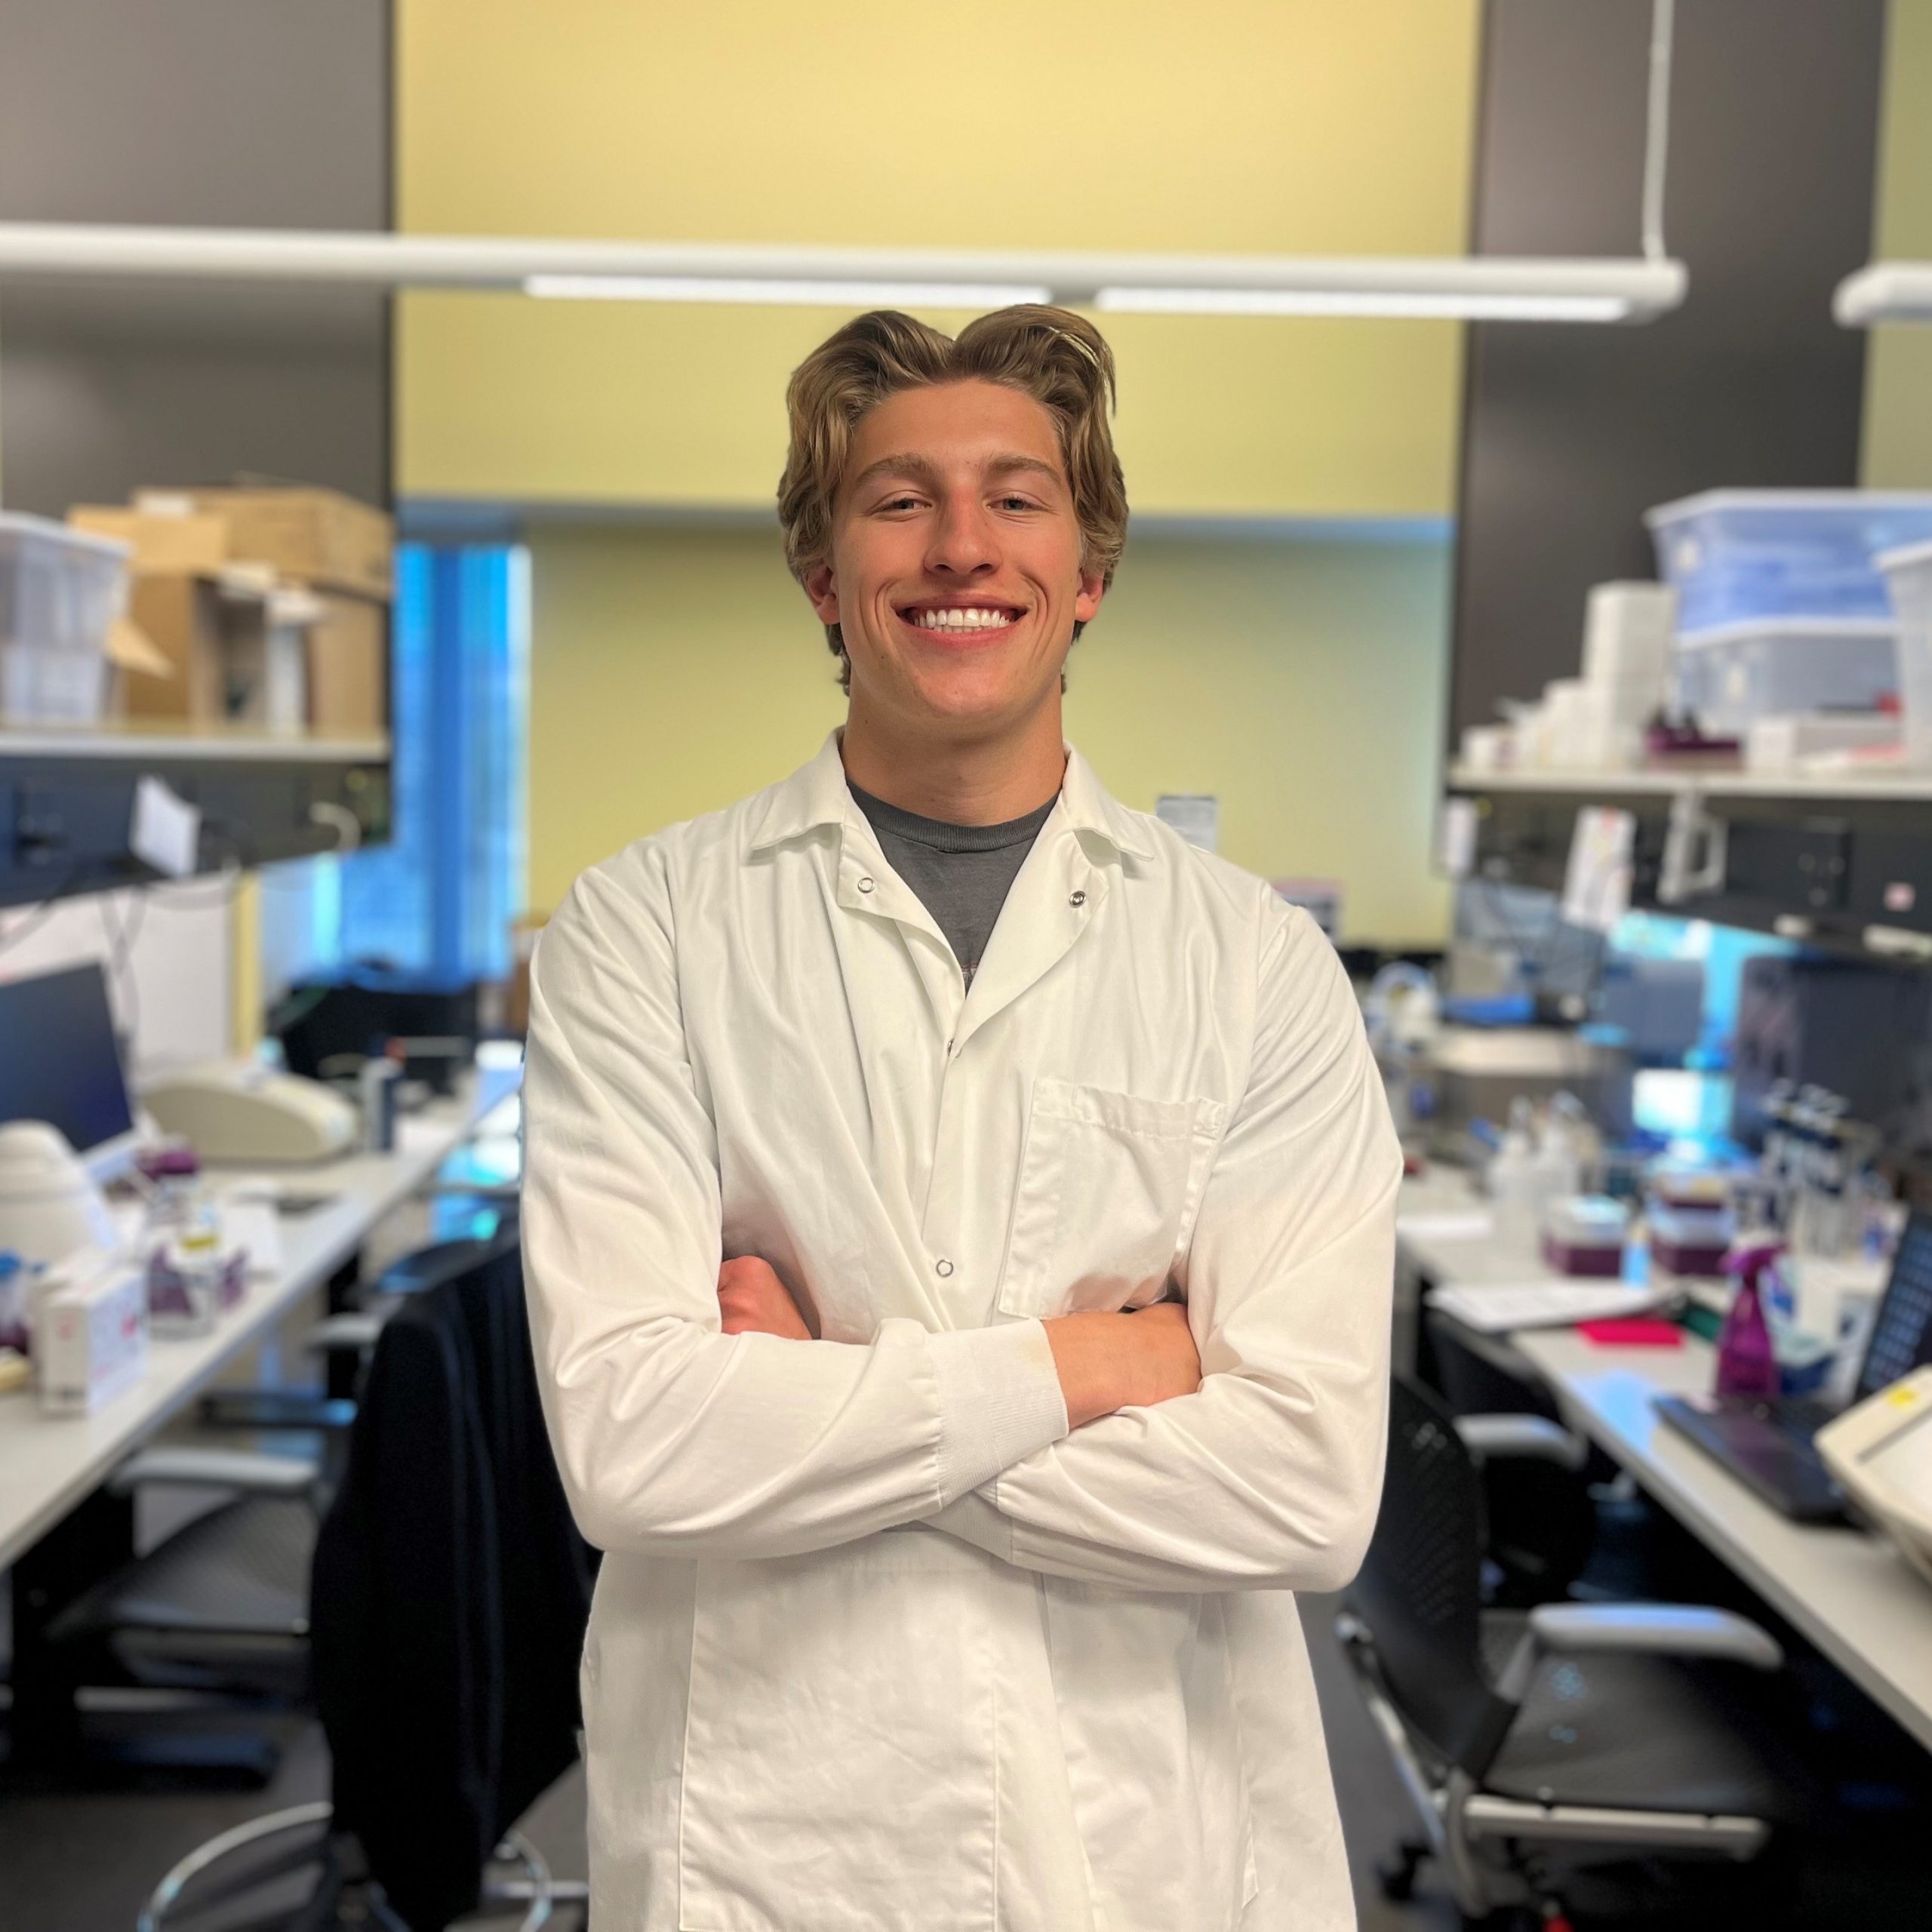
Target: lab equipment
column 1730, row 678
column 1880, row 1453
column 49, row 1206
column 1689, row 1240
column 90, row 1335
column 1832, row 1023
column 1736, row 555
column 1908, row 575
column 1771, row 1446
column 238, row 1110
column 62, row 1064
column 1747, row 1364
column 1475, row 1072
column 1584, row 1234
column 1657, row 1004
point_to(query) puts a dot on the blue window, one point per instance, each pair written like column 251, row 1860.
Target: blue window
column 438, row 899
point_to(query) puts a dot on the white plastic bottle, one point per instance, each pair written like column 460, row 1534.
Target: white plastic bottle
column 1517, row 1179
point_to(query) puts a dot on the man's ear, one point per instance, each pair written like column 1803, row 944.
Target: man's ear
column 1087, row 601
column 821, row 589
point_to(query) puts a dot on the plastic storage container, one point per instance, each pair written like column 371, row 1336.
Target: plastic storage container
column 61, row 592
column 1733, row 676
column 1909, row 574
column 1736, row 555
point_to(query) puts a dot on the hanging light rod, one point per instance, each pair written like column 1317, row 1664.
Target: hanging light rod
column 1885, row 292
column 1480, row 287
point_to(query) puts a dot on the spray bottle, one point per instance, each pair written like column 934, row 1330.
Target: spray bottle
column 1747, row 1364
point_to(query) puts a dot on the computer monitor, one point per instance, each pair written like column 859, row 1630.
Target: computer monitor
column 59, row 1063
column 1902, row 1330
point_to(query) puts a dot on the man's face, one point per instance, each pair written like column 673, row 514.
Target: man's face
column 955, row 573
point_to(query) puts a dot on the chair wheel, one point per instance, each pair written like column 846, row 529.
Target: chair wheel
column 1395, row 1878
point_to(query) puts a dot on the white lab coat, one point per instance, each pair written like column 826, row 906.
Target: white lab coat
column 878, row 1645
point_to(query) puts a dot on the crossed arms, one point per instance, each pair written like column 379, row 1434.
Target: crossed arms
column 1084, row 1448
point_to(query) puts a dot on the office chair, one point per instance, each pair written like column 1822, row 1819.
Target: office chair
column 221, row 1609
column 450, row 1595
column 1570, row 1752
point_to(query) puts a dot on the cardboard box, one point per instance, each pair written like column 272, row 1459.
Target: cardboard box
column 231, row 647
column 316, row 536
column 349, row 664
column 179, row 613
column 173, row 542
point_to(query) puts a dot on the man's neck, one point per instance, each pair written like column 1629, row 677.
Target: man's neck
column 978, row 782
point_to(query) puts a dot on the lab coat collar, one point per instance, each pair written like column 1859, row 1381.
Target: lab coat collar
column 816, row 795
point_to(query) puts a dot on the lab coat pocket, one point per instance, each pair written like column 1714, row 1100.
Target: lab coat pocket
column 1108, row 1186
column 839, row 1764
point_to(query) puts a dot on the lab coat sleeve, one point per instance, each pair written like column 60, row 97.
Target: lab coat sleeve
column 1269, row 1477
column 673, row 1437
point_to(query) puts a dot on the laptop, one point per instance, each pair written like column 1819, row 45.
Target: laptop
column 60, row 1062
column 1767, row 1444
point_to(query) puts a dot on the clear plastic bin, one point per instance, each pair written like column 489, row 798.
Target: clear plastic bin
column 1732, row 676
column 1909, row 574
column 1737, row 555
column 61, row 592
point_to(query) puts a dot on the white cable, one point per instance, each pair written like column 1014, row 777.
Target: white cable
column 1656, row 127
column 343, row 822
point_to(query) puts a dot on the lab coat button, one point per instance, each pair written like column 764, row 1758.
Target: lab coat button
column 865, row 885
column 942, row 1267
column 1077, row 899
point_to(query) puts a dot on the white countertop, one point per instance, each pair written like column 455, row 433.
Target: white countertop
column 48, row 1463
column 1849, row 1592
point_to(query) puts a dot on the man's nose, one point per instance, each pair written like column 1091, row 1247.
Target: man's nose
column 965, row 541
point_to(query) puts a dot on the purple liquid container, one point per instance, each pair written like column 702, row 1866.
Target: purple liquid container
column 1747, row 1365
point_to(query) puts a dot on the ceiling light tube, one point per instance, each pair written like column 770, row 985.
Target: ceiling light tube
column 1885, row 292
column 839, row 294
column 1480, row 287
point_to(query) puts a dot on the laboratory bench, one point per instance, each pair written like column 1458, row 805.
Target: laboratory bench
column 1848, row 1591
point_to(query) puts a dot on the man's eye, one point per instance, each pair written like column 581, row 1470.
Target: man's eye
column 900, row 503
column 1017, row 503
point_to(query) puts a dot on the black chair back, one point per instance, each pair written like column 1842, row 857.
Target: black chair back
column 449, row 1593
column 1420, row 1588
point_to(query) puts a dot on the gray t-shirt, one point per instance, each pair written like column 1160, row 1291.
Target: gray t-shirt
column 961, row 872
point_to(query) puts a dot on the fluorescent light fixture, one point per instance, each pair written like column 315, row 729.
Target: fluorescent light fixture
column 1480, row 287
column 1414, row 305
column 1474, row 288
column 1885, row 292
column 837, row 294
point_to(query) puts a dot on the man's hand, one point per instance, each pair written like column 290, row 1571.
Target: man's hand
column 1118, row 1361
column 754, row 1301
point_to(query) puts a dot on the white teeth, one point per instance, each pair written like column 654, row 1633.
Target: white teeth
column 952, row 619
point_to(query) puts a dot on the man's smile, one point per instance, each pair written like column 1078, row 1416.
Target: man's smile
column 985, row 620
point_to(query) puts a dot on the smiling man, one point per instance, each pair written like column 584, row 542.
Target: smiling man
column 959, row 1225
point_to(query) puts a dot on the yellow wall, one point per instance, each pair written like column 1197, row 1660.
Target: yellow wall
column 1342, row 126
column 1898, row 381
column 675, row 671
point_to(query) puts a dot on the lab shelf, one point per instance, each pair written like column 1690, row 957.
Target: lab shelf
column 66, row 801
column 1842, row 860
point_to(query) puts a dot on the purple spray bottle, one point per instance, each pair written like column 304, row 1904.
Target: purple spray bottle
column 1746, row 1364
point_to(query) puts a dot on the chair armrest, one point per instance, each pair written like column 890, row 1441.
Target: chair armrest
column 352, row 1333
column 1524, row 1437
column 1653, row 1629
column 216, row 1468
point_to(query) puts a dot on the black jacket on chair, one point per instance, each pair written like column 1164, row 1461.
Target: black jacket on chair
column 450, row 1594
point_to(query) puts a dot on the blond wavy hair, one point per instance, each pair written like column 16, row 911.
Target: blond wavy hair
column 1058, row 357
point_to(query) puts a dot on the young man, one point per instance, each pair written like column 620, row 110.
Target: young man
column 959, row 1225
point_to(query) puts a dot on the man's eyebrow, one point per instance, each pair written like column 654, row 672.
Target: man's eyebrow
column 922, row 469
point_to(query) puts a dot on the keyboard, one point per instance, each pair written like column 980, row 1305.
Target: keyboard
column 1767, row 1445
